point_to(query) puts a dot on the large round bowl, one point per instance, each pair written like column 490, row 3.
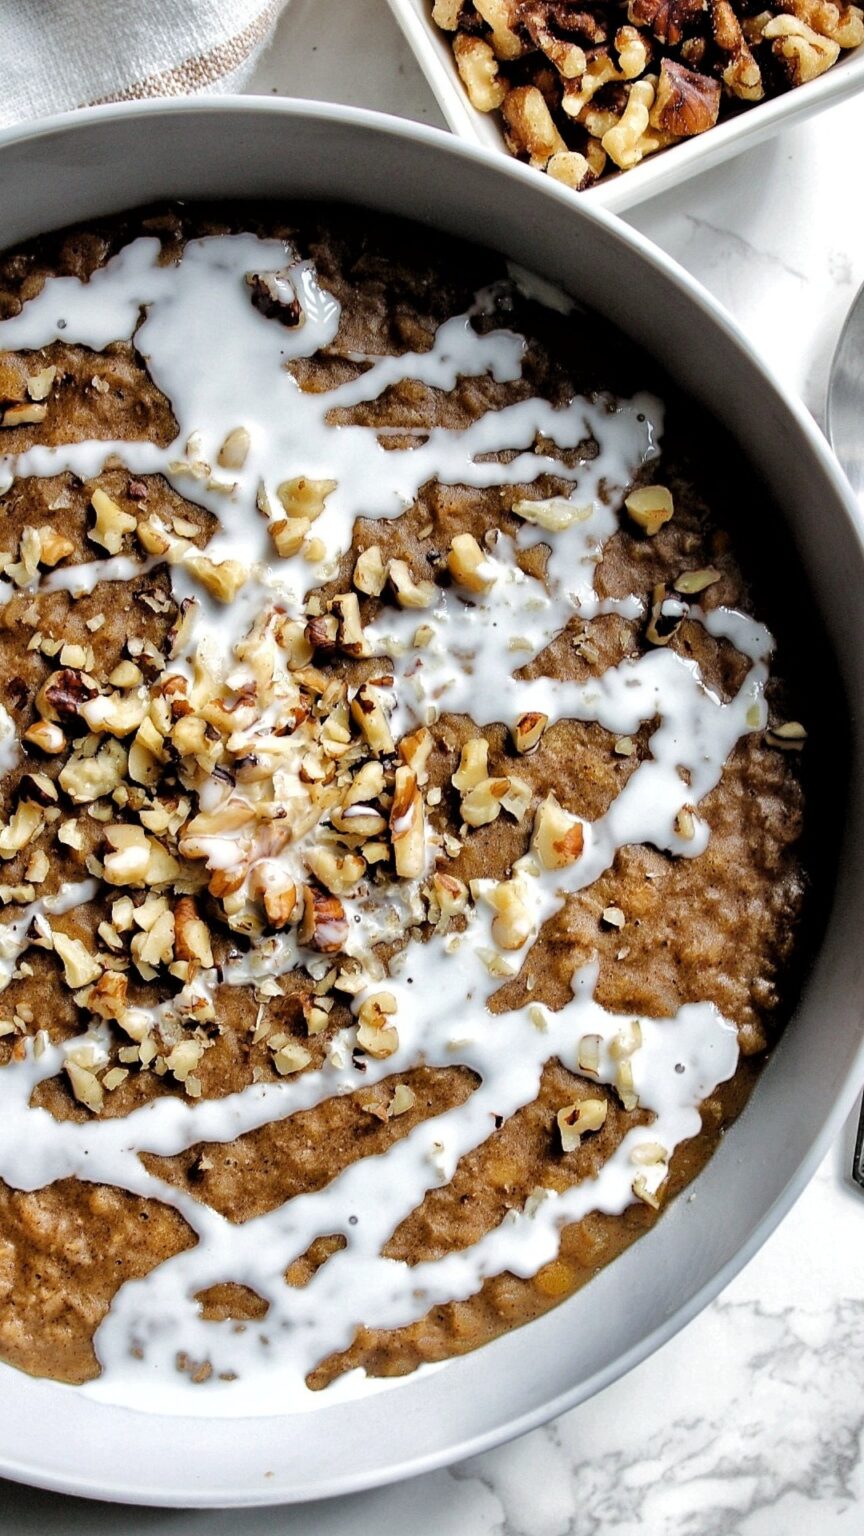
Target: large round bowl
column 111, row 158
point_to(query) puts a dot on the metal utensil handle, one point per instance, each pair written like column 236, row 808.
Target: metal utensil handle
column 858, row 1158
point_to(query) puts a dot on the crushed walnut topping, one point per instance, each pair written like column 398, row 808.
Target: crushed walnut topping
column 585, row 90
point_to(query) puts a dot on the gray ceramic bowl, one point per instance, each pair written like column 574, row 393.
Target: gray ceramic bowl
column 111, row 158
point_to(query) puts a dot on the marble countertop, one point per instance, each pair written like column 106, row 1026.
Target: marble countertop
column 751, row 1421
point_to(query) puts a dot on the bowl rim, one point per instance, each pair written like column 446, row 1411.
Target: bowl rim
column 39, row 1473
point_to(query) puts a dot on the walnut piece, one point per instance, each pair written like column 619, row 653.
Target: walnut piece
column 686, row 102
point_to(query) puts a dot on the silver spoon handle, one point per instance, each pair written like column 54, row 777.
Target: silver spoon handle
column 858, row 1157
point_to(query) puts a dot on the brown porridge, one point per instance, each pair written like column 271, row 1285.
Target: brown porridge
column 401, row 818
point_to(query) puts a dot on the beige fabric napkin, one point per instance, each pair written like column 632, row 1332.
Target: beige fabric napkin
column 57, row 54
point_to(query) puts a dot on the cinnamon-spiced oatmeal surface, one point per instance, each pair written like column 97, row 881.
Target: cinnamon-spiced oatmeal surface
column 401, row 799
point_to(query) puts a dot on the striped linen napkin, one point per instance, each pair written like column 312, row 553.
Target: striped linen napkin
column 58, row 54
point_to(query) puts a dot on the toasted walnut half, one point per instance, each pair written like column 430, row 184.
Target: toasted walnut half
column 686, row 102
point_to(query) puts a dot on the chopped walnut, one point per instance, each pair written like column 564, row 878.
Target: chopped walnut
column 323, row 925
column 407, row 826
column 478, row 68
column 573, row 169
column 370, row 572
column 79, row 966
column 528, row 730
column 650, row 507
column 111, row 522
column 368, row 712
column 686, row 102
column 802, row 53
column 273, row 293
column 375, row 1035
column 223, row 579
column 483, row 802
column 580, row 1119
column 567, row 66
column 554, row 514
column 626, row 143
column 468, row 565
column 85, row 1085
column 235, row 449
column 303, row 498
column 558, row 837
column 410, row 593
column 531, row 132
column 473, row 764
column 513, row 923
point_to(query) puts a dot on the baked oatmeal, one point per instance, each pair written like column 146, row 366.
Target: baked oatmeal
column 400, row 812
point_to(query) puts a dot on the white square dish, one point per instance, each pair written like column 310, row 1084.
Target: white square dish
column 623, row 190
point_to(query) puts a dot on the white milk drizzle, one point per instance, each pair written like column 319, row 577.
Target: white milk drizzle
column 222, row 365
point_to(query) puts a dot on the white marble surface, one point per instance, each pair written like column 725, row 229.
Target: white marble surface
column 751, row 1421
